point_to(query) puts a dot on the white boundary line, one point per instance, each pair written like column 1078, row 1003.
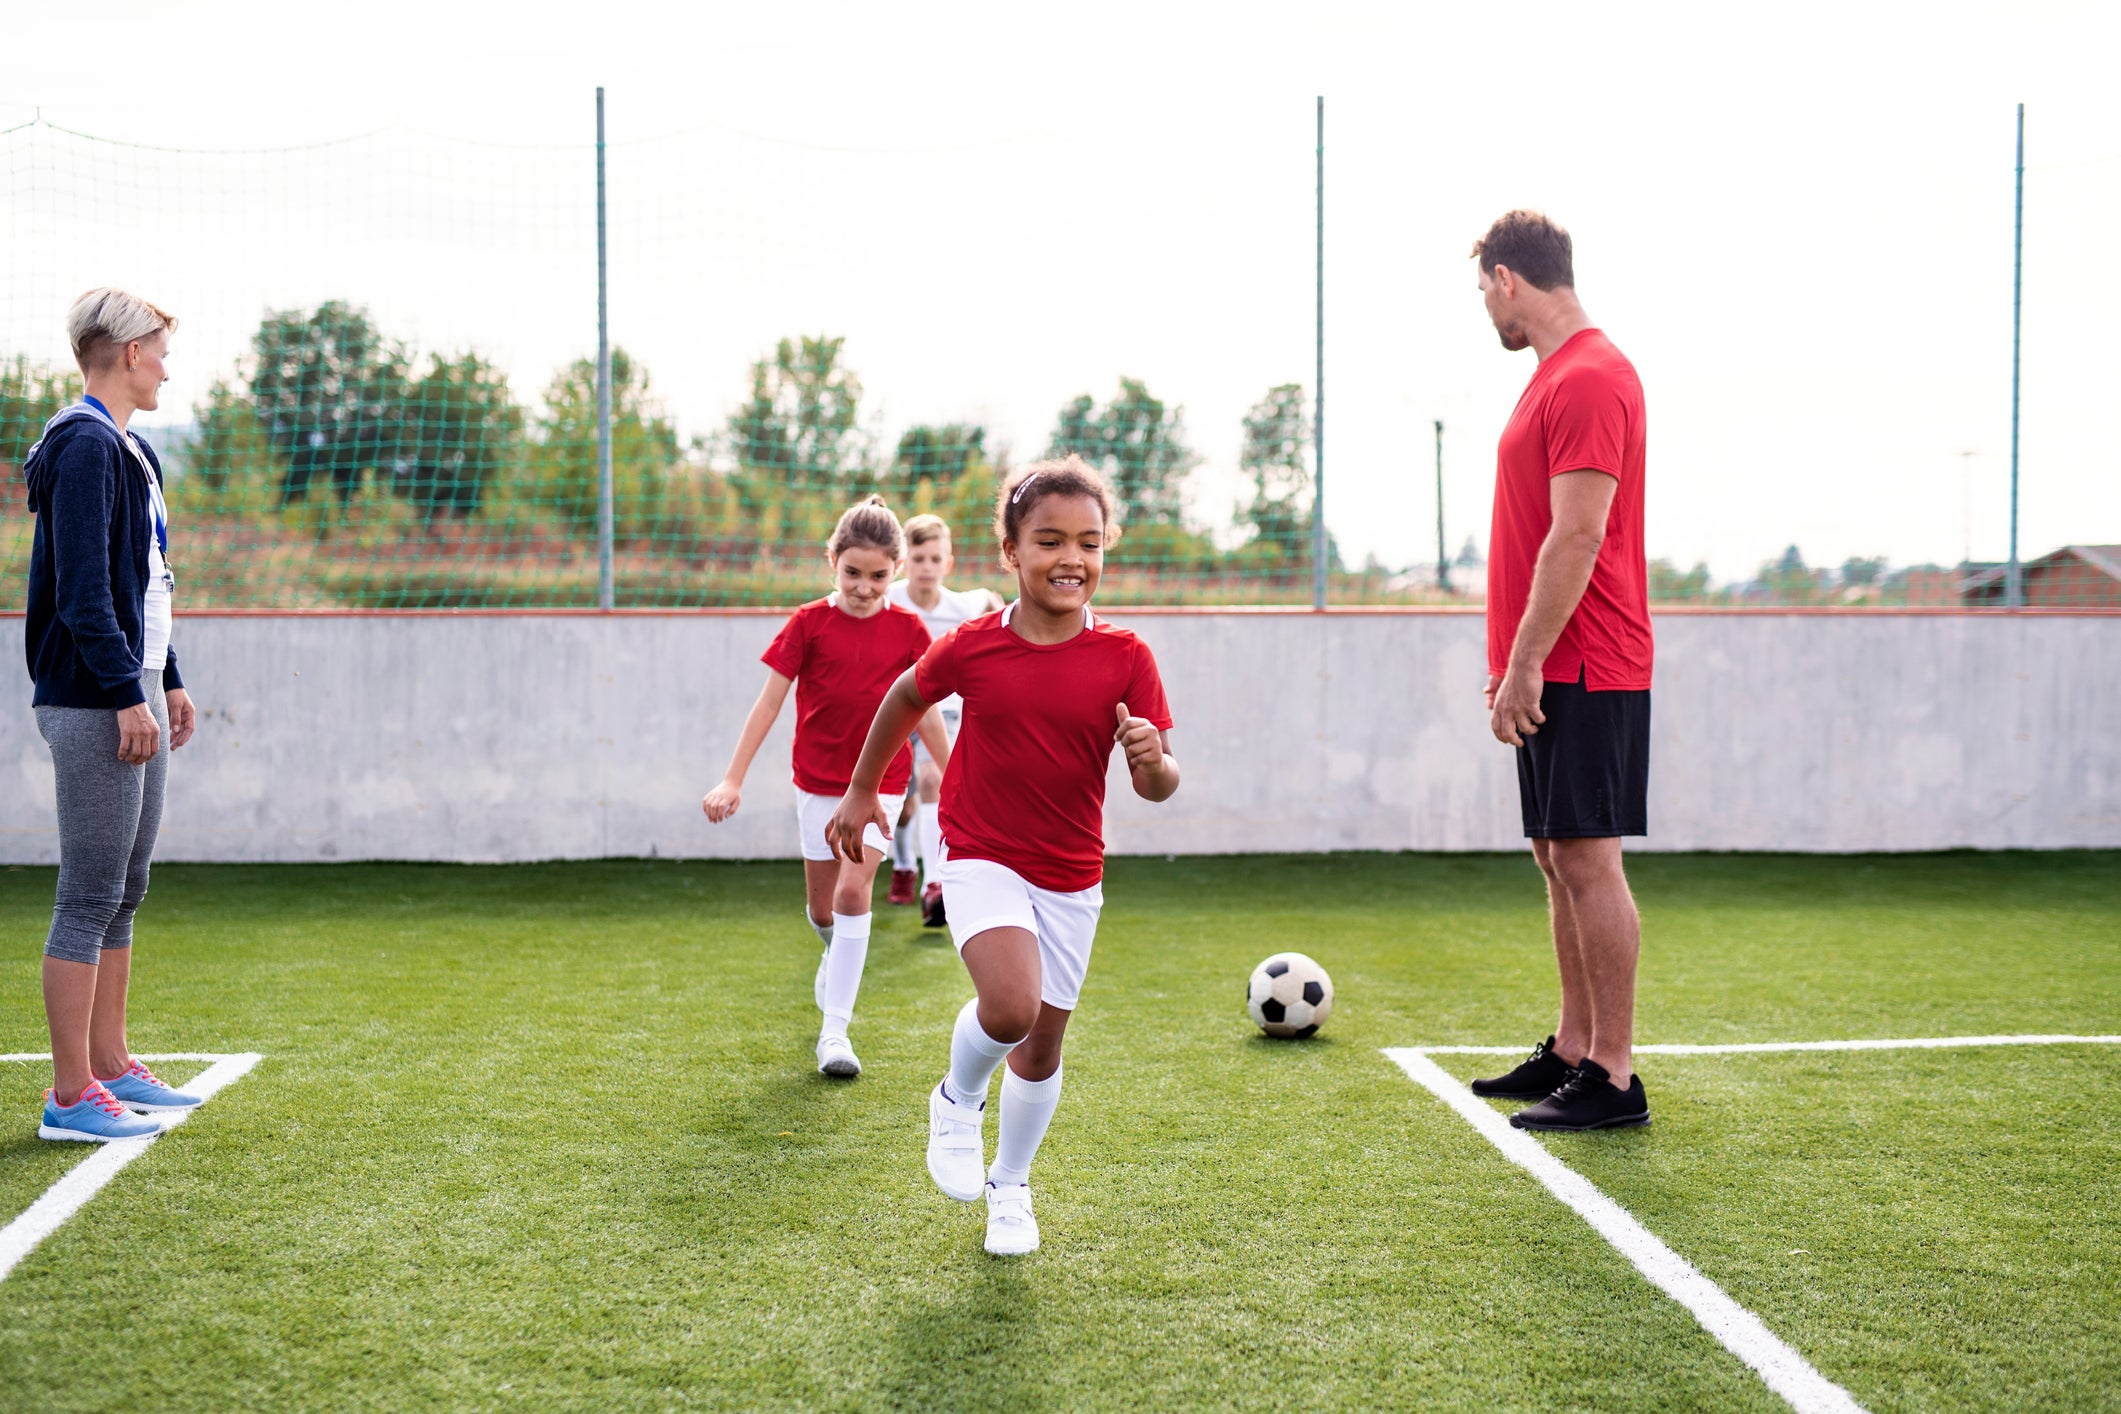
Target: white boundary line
column 81, row 1182
column 1738, row 1330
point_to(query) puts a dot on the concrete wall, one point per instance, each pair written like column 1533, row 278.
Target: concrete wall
column 545, row 736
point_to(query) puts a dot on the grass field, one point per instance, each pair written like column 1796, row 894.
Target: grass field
column 550, row 1137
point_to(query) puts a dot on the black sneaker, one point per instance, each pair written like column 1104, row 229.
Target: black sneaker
column 1587, row 1100
column 1537, row 1078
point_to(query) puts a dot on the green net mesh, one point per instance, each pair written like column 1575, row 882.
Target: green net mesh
column 388, row 397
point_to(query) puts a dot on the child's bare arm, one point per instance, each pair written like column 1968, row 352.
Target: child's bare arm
column 722, row 802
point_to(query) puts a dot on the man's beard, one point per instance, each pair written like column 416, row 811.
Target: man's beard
column 1513, row 339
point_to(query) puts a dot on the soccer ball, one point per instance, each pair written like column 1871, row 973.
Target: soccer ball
column 1289, row 995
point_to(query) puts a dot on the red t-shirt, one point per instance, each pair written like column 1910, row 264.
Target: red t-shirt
column 1582, row 411
column 842, row 668
column 1026, row 783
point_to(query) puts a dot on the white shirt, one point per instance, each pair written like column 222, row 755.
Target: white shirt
column 161, row 586
column 953, row 607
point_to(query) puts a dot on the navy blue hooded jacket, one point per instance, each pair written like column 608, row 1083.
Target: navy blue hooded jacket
column 88, row 567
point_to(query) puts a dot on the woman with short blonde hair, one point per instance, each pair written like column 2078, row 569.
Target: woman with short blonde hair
column 109, row 702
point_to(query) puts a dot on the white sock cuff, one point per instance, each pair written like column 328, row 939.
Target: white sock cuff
column 976, row 1036
column 1015, row 1087
column 850, row 925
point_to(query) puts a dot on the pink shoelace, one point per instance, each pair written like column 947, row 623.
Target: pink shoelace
column 103, row 1100
column 142, row 1072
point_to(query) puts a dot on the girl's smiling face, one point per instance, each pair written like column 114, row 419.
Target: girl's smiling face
column 861, row 574
column 1059, row 553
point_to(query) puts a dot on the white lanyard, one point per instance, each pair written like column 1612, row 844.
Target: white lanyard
column 158, row 509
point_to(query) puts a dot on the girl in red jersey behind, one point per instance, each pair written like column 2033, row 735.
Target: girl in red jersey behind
column 1048, row 691
column 842, row 653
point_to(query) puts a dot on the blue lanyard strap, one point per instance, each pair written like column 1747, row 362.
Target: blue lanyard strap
column 156, row 508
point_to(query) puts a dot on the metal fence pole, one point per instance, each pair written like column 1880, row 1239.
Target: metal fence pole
column 2014, row 580
column 606, row 595
column 1319, row 541
column 1443, row 560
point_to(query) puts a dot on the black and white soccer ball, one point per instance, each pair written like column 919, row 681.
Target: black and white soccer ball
column 1290, row 995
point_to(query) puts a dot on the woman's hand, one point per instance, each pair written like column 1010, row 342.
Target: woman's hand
column 857, row 812
column 183, row 717
column 139, row 737
column 721, row 802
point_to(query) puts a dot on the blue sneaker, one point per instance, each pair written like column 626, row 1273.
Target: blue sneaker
column 141, row 1089
column 95, row 1118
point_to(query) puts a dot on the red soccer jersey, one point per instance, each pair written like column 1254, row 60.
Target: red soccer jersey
column 1582, row 411
column 842, row 668
column 1026, row 783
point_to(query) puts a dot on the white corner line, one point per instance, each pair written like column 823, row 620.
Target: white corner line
column 81, row 1183
column 1738, row 1330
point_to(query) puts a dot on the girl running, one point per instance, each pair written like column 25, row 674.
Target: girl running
column 842, row 652
column 1048, row 690
column 928, row 563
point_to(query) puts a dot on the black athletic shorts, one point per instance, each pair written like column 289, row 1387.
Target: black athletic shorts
column 1586, row 772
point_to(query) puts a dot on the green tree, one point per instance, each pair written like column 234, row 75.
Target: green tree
column 563, row 455
column 1859, row 570
column 939, row 453
column 328, row 389
column 803, row 418
column 1275, row 455
column 458, row 428
column 1670, row 585
column 29, row 394
column 1138, row 442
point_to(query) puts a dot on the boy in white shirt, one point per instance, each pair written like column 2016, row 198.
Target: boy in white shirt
column 928, row 562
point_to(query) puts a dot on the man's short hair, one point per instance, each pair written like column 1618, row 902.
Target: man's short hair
column 105, row 320
column 1532, row 247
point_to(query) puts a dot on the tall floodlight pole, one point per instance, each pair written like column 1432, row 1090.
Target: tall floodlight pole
column 606, row 596
column 2014, row 581
column 1443, row 562
column 1318, row 404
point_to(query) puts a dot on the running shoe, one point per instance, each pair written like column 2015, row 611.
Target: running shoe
column 1588, row 1099
column 932, row 907
column 1011, row 1229
column 957, row 1159
column 836, row 1058
column 141, row 1089
column 904, row 886
column 1540, row 1076
column 95, row 1118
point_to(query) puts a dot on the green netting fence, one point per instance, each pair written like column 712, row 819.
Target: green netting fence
column 388, row 395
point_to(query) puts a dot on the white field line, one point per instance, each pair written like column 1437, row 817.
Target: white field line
column 1738, row 1330
column 80, row 1183
column 1745, row 1048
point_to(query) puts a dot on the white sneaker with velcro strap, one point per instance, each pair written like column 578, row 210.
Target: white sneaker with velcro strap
column 1011, row 1229
column 957, row 1158
column 836, row 1058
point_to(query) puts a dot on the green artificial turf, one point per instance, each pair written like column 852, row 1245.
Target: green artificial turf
column 551, row 1137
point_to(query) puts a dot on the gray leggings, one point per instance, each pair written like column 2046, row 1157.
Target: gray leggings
column 109, row 815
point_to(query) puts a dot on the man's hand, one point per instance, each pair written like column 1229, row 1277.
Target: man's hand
column 858, row 810
column 183, row 717
column 138, row 735
column 1514, row 705
column 1138, row 737
column 721, row 802
column 1493, row 682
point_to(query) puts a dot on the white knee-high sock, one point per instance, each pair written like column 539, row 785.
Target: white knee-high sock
column 905, row 848
column 931, row 820
column 973, row 1056
column 843, row 970
column 823, row 930
column 1027, row 1108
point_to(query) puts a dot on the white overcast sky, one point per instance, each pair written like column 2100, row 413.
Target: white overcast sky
column 1795, row 219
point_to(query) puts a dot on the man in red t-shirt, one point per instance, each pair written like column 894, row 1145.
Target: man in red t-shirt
column 1569, row 655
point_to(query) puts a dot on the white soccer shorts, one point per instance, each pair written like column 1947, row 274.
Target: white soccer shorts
column 920, row 748
column 979, row 894
column 814, row 812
